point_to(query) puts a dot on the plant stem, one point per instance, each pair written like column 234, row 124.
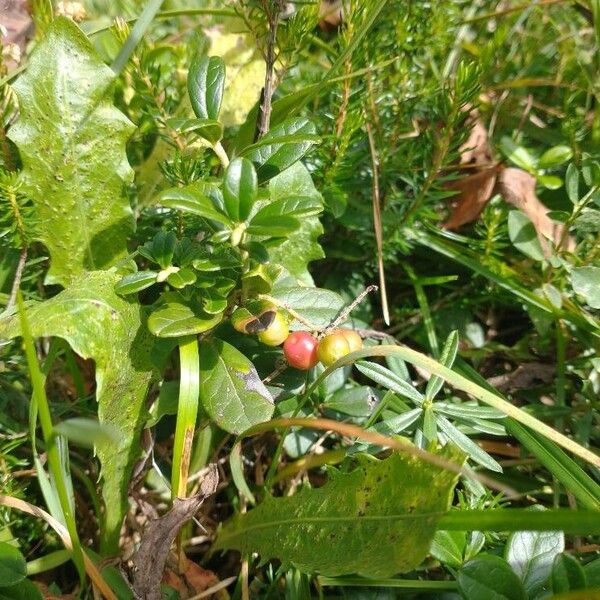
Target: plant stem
column 221, row 154
column 264, row 116
column 17, row 281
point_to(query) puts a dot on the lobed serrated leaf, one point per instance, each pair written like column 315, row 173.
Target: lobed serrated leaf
column 72, row 143
column 342, row 527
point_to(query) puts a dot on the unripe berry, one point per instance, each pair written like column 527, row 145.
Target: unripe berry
column 276, row 333
column 300, row 350
column 354, row 340
column 332, row 347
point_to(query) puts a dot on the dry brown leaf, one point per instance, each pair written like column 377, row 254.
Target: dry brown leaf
column 197, row 578
column 517, row 187
column 157, row 539
column 486, row 178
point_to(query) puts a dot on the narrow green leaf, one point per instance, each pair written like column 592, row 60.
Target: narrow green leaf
column 87, row 432
column 240, row 188
column 379, row 374
column 434, row 385
column 467, row 445
column 137, row 34
column 342, row 527
column 187, row 412
column 206, row 81
column 65, row 110
column 230, row 389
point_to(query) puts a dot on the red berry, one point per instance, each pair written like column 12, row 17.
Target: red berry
column 300, row 349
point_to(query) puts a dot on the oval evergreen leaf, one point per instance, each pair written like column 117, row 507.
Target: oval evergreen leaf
column 240, row 187
column 174, row 319
column 230, row 389
column 12, row 565
column 206, row 81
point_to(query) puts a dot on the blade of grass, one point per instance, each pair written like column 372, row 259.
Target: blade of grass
column 45, row 417
column 466, row 257
column 36, row 511
column 136, row 35
column 462, row 383
column 48, row 562
column 425, row 311
column 576, row 522
column 187, row 412
column 416, row 585
column 562, row 466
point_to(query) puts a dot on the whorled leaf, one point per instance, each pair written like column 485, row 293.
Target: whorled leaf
column 230, row 389
column 342, row 527
column 72, row 143
column 101, row 325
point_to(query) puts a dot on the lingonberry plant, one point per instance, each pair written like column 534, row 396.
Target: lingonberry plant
column 199, row 399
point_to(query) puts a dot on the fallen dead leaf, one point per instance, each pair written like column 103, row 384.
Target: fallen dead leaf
column 157, row 539
column 486, row 178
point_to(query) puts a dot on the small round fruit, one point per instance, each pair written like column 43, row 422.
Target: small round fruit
column 332, row 347
column 276, row 333
column 354, row 340
column 300, row 350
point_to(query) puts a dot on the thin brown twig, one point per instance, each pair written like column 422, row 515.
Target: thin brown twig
column 264, row 117
column 18, row 276
column 377, row 223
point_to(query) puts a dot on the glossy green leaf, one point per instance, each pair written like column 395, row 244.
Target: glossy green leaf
column 160, row 249
column 523, row 235
column 87, row 432
column 209, row 129
column 519, row 155
column 273, row 226
column 12, row 565
column 176, row 319
column 281, row 147
column 193, row 199
column 302, row 246
column 449, row 547
column 213, row 302
column 489, row 577
column 356, row 401
column 71, row 140
column 316, row 305
column 230, row 389
column 182, row 278
column 260, row 279
column 567, row 574
column 292, row 206
column 342, row 526
column 99, row 324
column 586, row 283
column 240, row 187
column 24, row 590
column 550, row 182
column 388, row 379
column 531, row 554
column 221, row 258
column 206, row 81
column 136, row 282
column 555, row 157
